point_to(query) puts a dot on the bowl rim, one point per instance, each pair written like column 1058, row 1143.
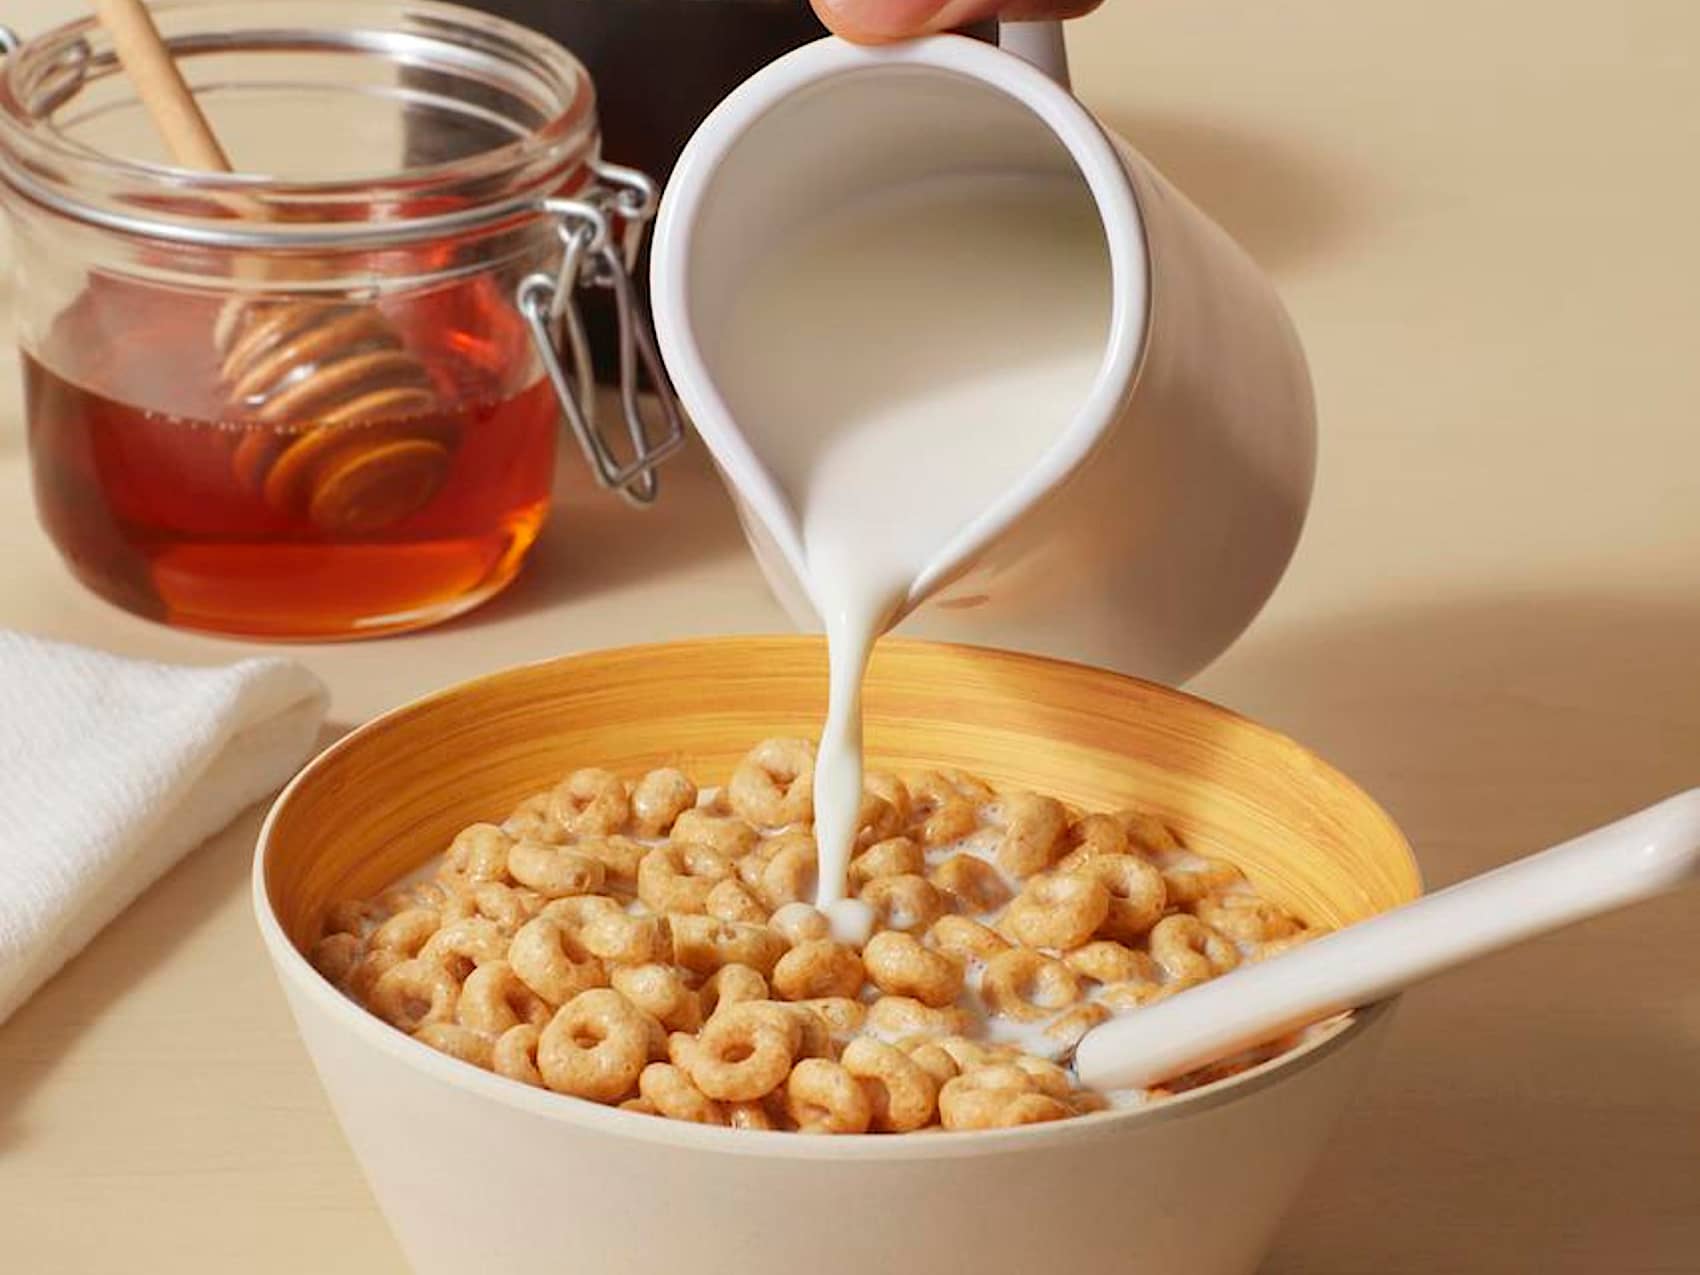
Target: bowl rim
column 299, row 976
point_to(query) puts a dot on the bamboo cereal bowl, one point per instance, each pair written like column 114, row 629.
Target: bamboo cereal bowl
column 475, row 1172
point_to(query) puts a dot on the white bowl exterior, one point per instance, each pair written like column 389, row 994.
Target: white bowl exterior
column 470, row 1181
column 1158, row 529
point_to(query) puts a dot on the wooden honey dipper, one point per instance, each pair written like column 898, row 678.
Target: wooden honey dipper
column 315, row 365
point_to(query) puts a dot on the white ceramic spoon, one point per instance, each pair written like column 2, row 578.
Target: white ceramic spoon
column 1632, row 859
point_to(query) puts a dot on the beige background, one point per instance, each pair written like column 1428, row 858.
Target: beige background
column 1483, row 217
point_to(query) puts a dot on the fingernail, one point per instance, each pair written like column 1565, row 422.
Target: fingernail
column 897, row 19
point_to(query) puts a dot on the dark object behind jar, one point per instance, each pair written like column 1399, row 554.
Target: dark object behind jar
column 660, row 66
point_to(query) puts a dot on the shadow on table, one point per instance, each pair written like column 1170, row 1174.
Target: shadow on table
column 1534, row 1104
column 167, row 915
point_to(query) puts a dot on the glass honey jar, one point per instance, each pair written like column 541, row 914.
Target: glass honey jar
column 319, row 397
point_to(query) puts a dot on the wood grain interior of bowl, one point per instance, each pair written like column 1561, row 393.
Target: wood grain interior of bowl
column 394, row 793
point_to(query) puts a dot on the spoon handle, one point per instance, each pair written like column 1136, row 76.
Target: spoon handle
column 1642, row 855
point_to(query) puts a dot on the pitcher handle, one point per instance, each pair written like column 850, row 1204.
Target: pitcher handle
column 1040, row 43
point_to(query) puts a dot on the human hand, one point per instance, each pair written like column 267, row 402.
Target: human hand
column 880, row 21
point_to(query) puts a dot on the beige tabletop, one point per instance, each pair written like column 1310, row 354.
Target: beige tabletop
column 1483, row 217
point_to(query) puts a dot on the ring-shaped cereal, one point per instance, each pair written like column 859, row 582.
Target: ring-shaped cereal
column 591, row 802
column 619, row 857
column 494, row 999
column 1060, row 910
column 933, row 1059
column 898, row 1017
column 843, row 1015
column 799, row 922
column 731, row 985
column 891, row 790
column 976, row 885
column 818, row 968
column 1146, row 834
column 749, row 1115
column 892, row 857
column 702, row 944
column 351, row 916
column 458, row 1042
column 1187, row 948
column 659, row 991
column 1033, row 829
column 773, row 786
column 670, row 1092
column 1245, row 919
column 899, row 965
column 678, row 877
column 966, row 939
column 508, row 906
column 902, row 1095
column 534, row 820
column 726, row 835
column 907, row 903
column 370, row 968
column 406, row 932
column 1027, row 986
column 1089, row 836
column 1137, row 894
column 1106, row 961
column 479, row 853
column 619, row 938
column 543, row 955
column 556, row 872
column 412, row 993
column 730, row 901
column 967, row 1103
column 877, row 820
column 938, row 810
column 744, row 1052
column 336, row 955
column 594, row 1047
column 1069, row 1026
column 822, row 1097
column 1187, row 885
column 659, row 798
column 515, row 1054
column 790, row 872
column 461, row 946
column 576, row 911
column 1277, row 946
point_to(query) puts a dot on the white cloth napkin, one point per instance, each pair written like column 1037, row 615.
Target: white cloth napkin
column 111, row 770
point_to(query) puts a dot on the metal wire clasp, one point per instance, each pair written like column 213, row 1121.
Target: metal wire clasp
column 601, row 232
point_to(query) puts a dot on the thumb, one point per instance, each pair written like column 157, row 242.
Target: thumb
column 879, row 21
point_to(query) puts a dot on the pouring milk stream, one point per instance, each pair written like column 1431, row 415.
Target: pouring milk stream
column 967, row 321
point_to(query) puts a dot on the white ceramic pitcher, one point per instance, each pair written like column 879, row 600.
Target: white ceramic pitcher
column 1157, row 523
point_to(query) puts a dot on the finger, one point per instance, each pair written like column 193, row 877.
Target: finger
column 880, row 21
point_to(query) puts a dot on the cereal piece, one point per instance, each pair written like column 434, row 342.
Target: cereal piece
column 639, row 1106
column 726, row 835
column 1277, row 946
column 336, row 955
column 972, row 1055
column 1060, row 910
column 594, row 1047
column 822, row 1097
column 659, row 991
column 902, row 1095
column 412, row 993
column 898, row 1017
column 576, row 911
column 350, row 916
column 1045, row 1075
column 1187, row 885
column 745, row 1051
column 889, row 789
column 1145, row 833
column 479, row 853
column 1033, row 829
column 372, row 966
column 730, row 901
column 966, row 940
column 842, row 1015
column 590, row 803
column 533, row 820
column 975, row 884
column 1137, row 894
column 552, row 963
column 935, row 1060
column 619, row 938
column 620, row 858
column 670, row 1093
column 555, row 871
column 939, row 808
column 773, row 787
column 907, row 903
column 1245, row 918
column 876, row 820
column 406, row 932
column 1090, row 835
column 659, row 798
column 458, row 1042
column 702, row 945
column 1137, row 993
column 1105, row 961
column 509, row 907
column 462, row 945
column 494, row 999
column 790, row 871
column 818, row 968
column 899, row 966
column 515, row 1054
column 1068, row 1027
column 748, row 1115
column 1026, row 985
column 679, row 877
column 1187, row 948
column 893, row 857
column 731, row 985
column 996, row 1098
column 799, row 922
